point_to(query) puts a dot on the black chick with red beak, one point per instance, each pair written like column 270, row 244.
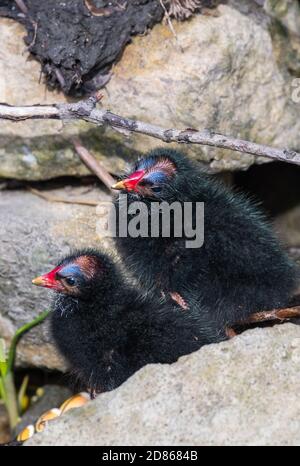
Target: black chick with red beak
column 106, row 331
column 241, row 267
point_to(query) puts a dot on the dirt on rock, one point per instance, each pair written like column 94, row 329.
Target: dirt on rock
column 77, row 41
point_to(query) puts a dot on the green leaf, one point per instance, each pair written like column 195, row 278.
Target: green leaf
column 2, row 350
column 22, row 394
column 2, row 390
column 3, row 362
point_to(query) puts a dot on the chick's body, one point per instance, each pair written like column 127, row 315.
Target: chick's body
column 106, row 331
column 241, row 267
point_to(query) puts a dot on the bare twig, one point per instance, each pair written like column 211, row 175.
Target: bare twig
column 35, row 27
column 93, row 164
column 108, row 11
column 183, row 9
column 49, row 198
column 274, row 314
column 169, row 21
column 265, row 316
column 60, row 78
column 85, row 110
column 22, row 6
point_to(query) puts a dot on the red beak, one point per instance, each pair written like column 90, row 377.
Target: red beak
column 131, row 182
column 48, row 280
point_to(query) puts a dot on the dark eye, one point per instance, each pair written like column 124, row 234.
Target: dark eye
column 156, row 189
column 70, row 281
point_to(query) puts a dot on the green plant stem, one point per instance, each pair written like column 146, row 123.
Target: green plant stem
column 11, row 400
column 7, row 385
column 17, row 336
column 2, row 390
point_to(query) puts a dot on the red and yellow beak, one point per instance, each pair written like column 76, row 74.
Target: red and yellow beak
column 130, row 183
column 48, row 280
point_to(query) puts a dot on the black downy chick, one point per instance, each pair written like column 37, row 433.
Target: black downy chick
column 106, row 331
column 241, row 267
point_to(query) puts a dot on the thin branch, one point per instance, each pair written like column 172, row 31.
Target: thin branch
column 106, row 11
column 25, row 12
column 274, row 314
column 50, row 198
column 93, row 164
column 85, row 110
column 22, row 6
column 169, row 22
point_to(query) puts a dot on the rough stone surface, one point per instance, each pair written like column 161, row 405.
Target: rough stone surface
column 287, row 12
column 34, row 234
column 286, row 34
column 241, row 392
column 225, row 74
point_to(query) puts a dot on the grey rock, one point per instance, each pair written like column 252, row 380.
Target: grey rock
column 285, row 29
column 241, row 392
column 285, row 11
column 226, row 72
column 34, row 235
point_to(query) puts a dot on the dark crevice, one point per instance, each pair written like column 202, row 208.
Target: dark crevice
column 56, row 183
column 275, row 185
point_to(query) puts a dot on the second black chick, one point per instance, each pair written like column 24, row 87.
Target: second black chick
column 106, row 331
column 241, row 267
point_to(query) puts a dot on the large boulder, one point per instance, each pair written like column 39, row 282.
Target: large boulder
column 227, row 71
column 241, row 392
